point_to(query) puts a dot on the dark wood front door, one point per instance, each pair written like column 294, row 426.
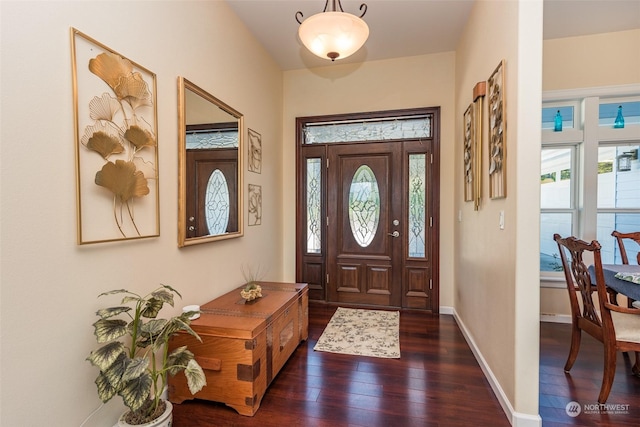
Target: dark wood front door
column 367, row 214
column 365, row 201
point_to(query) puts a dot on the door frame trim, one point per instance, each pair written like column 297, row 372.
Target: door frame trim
column 320, row 291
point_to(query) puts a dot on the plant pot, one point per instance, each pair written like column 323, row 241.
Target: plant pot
column 164, row 420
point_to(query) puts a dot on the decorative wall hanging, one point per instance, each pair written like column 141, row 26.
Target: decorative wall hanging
column 116, row 144
column 473, row 147
column 479, row 92
column 255, row 204
column 255, row 152
column 469, row 154
column 497, row 134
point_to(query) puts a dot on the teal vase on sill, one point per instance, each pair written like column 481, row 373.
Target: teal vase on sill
column 619, row 123
column 557, row 122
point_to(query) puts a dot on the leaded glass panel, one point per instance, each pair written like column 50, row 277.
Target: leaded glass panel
column 314, row 194
column 364, row 205
column 221, row 138
column 217, row 204
column 368, row 130
column 417, row 204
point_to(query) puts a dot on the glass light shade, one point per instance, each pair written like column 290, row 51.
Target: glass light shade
column 333, row 35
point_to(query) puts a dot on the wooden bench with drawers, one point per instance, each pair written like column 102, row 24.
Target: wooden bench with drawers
column 244, row 344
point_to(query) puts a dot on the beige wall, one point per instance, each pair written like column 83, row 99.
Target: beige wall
column 599, row 60
column 496, row 277
column 608, row 59
column 420, row 81
column 49, row 284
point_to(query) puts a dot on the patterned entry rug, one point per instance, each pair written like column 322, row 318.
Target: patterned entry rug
column 362, row 332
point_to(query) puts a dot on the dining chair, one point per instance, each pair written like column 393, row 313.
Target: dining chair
column 635, row 236
column 618, row 328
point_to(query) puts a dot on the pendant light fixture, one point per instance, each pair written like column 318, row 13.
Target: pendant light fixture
column 333, row 34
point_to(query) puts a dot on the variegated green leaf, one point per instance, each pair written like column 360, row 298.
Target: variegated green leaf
column 115, row 291
column 169, row 288
column 106, row 355
column 105, row 390
column 195, row 377
column 128, row 299
column 152, row 308
column 185, row 325
column 163, row 295
column 154, row 326
column 136, row 392
column 135, row 368
column 107, row 330
column 115, row 371
column 178, row 359
column 106, row 313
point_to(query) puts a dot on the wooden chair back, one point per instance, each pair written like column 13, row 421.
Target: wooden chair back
column 635, row 236
column 579, row 284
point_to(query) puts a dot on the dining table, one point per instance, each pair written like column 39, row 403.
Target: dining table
column 624, row 287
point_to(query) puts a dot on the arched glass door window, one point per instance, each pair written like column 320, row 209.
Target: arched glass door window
column 364, row 205
column 217, row 204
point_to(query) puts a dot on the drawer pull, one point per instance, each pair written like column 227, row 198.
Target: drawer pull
column 209, row 363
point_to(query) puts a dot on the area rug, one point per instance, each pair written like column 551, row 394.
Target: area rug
column 360, row 332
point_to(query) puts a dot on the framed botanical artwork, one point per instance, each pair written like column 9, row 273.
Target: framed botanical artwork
column 116, row 144
column 255, row 204
column 469, row 154
column 497, row 134
column 254, row 155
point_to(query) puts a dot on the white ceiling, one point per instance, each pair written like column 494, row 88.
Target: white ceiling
column 416, row 27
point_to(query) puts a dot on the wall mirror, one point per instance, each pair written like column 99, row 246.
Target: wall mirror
column 210, row 167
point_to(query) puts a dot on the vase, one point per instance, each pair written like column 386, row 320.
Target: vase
column 557, row 122
column 619, row 122
column 164, row 420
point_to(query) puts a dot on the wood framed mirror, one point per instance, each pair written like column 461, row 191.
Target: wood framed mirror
column 210, row 167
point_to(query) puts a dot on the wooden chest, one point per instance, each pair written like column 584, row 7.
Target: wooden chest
column 244, row 345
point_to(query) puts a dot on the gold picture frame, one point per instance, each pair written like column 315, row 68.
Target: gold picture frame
column 497, row 134
column 473, row 147
column 469, row 154
column 115, row 114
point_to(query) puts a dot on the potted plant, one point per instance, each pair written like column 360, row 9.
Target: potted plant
column 252, row 289
column 134, row 360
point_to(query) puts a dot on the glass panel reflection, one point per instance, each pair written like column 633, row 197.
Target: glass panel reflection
column 555, row 178
column 217, row 204
column 551, row 223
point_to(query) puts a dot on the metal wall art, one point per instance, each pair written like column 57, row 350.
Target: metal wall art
column 116, row 144
column 497, row 134
column 255, row 204
column 254, row 161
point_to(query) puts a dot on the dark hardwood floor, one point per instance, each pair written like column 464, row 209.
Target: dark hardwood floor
column 582, row 384
column 436, row 382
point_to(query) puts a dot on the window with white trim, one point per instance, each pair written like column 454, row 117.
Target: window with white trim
column 590, row 170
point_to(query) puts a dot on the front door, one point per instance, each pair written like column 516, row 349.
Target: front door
column 367, row 223
column 364, row 239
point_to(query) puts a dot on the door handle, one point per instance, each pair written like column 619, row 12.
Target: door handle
column 394, row 234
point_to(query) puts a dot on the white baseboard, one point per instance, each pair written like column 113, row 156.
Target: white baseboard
column 446, row 310
column 517, row 419
column 555, row 318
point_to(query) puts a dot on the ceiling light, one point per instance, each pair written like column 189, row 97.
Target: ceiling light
column 333, row 34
